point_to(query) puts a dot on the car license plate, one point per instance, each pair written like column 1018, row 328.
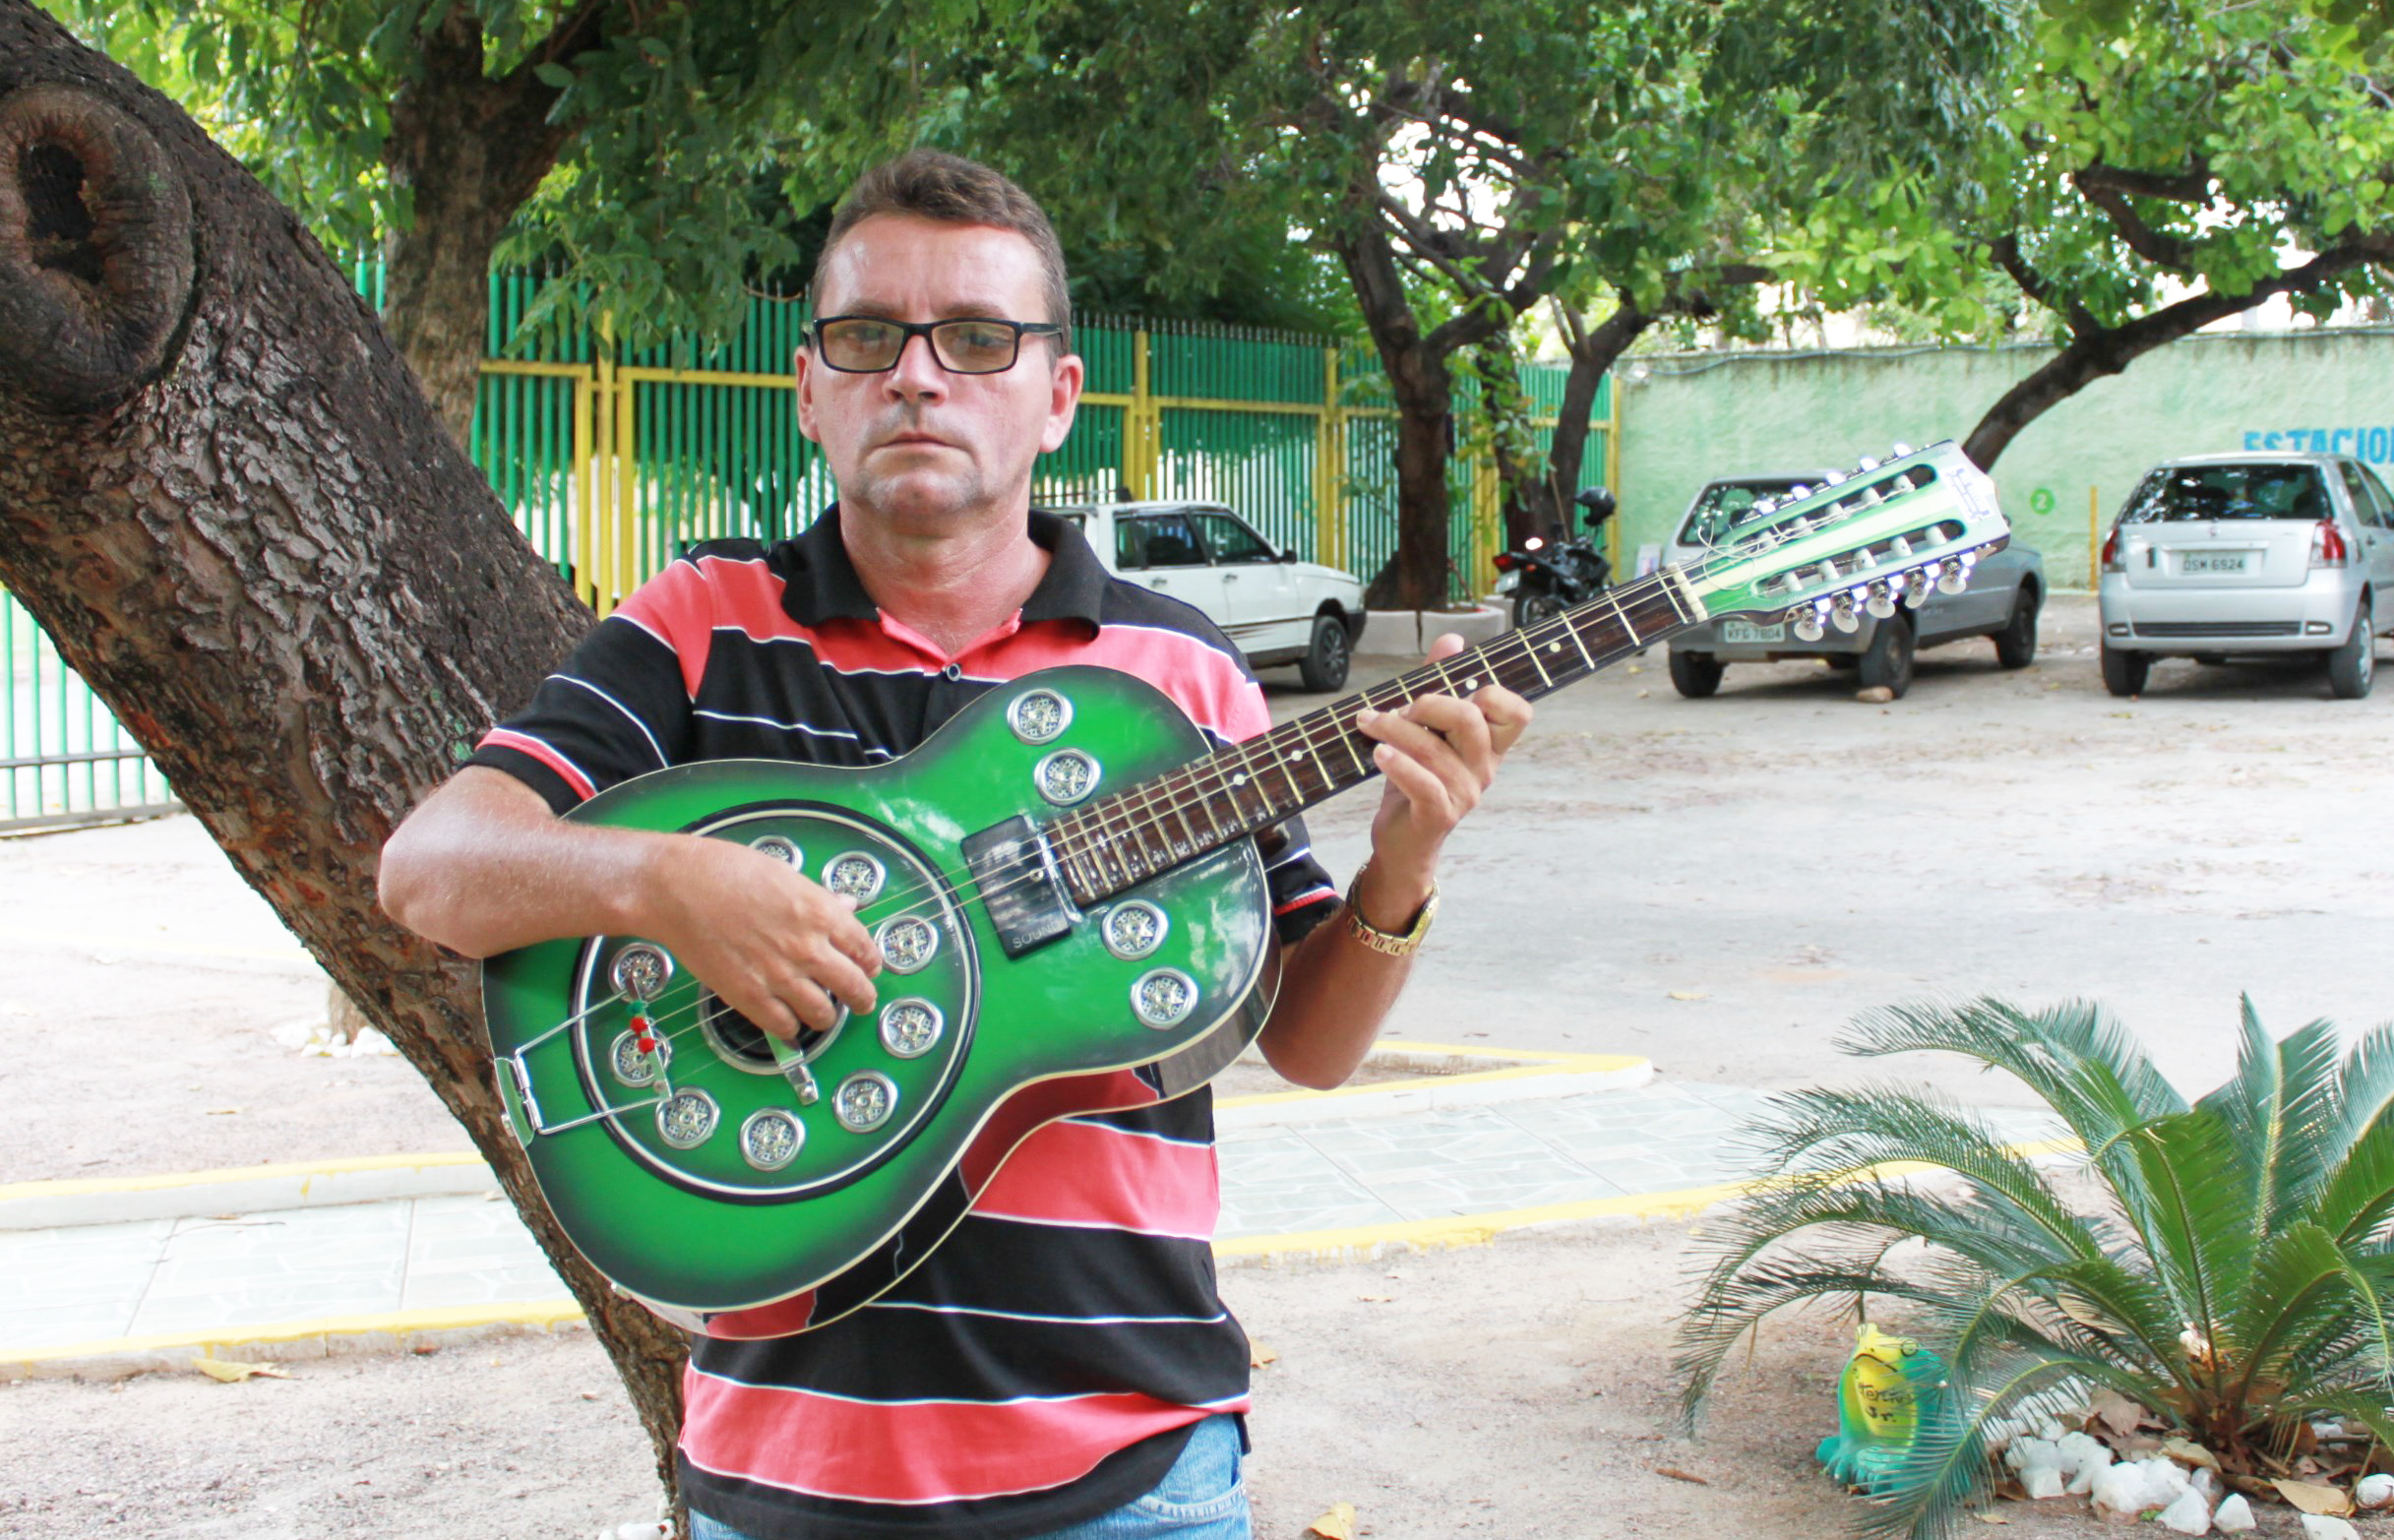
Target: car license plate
column 2213, row 561
column 1744, row 633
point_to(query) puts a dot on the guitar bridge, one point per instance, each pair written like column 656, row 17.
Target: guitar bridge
column 1022, row 891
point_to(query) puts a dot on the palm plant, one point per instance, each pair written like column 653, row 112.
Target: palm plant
column 2233, row 1272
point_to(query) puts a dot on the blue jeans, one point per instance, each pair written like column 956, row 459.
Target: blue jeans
column 1202, row 1497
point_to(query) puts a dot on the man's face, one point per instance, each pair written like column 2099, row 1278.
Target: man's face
column 916, row 445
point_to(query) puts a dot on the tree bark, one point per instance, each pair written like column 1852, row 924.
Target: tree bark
column 1593, row 352
column 469, row 149
column 223, row 497
column 2095, row 350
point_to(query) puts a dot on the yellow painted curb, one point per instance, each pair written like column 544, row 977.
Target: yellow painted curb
column 1461, row 1230
column 86, row 944
column 87, row 1187
column 1527, row 1064
column 397, row 1325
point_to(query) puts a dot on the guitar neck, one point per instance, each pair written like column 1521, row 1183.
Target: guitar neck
column 1121, row 840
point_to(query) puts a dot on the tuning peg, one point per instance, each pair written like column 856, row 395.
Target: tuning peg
column 1955, row 580
column 1842, row 616
column 1902, row 449
column 1808, row 625
column 1799, row 490
column 1868, row 462
column 1881, row 602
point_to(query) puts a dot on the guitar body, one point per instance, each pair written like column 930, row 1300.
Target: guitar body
column 706, row 1171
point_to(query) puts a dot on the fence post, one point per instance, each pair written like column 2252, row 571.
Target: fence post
column 1138, row 444
column 1329, row 468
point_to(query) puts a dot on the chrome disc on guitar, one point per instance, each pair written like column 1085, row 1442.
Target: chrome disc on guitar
column 704, row 1099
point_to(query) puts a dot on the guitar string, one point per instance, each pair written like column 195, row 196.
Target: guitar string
column 1335, row 718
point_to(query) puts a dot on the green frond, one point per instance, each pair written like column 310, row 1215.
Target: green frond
column 1706, row 1337
column 2280, row 1107
column 2343, row 1337
column 2190, row 1224
column 2366, row 1088
column 2355, row 1200
column 2075, row 1057
column 1823, row 1131
column 2308, row 1296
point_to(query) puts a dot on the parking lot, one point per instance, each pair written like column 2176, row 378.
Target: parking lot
column 1719, row 884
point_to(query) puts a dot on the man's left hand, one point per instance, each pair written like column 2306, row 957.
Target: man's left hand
column 1440, row 754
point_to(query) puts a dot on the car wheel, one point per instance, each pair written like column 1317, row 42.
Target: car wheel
column 1888, row 661
column 1326, row 660
column 2016, row 643
column 1697, row 675
column 1530, row 608
column 2124, row 673
column 2353, row 668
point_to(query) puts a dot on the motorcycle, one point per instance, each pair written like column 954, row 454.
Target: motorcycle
column 1548, row 577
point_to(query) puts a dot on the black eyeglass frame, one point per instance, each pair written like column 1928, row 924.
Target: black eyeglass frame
column 928, row 331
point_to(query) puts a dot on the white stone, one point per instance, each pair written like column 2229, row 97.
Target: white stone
column 2082, row 1481
column 2235, row 1514
column 2041, row 1481
column 2374, row 1490
column 2078, row 1450
column 2318, row 1527
column 2049, row 1431
column 2118, row 1491
column 2025, row 1452
column 2189, row 1515
column 2165, row 1479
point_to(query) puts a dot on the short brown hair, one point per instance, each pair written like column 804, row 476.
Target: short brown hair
column 931, row 184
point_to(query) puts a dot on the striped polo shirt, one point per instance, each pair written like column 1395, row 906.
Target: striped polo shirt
column 1047, row 1362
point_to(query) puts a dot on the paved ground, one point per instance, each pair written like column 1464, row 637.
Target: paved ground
column 1714, row 887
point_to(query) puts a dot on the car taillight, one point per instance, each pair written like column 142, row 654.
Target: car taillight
column 2110, row 553
column 2327, row 544
column 1507, row 560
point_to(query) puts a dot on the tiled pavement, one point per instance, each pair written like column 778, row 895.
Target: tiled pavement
column 1322, row 1175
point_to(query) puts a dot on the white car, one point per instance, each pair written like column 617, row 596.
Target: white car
column 1276, row 608
column 2217, row 556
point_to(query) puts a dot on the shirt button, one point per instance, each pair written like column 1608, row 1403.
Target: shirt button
column 953, row 672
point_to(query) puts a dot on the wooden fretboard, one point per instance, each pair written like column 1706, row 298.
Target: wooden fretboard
column 1123, row 839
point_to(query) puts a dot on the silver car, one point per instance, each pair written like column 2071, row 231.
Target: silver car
column 2001, row 602
column 2221, row 555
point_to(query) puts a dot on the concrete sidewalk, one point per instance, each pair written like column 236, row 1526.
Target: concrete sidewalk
column 111, row 1277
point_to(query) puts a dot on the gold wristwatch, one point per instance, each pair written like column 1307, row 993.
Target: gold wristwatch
column 1392, row 943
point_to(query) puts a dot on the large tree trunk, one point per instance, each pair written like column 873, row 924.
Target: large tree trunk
column 1423, row 386
column 468, row 149
column 223, row 497
column 1593, row 352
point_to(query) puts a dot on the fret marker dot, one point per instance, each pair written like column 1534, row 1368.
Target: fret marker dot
column 1471, row 684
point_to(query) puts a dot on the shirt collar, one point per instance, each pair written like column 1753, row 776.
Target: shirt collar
column 822, row 583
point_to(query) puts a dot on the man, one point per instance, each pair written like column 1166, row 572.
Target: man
column 1061, row 1364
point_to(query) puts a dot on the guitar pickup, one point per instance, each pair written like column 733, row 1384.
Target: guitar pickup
column 1020, row 888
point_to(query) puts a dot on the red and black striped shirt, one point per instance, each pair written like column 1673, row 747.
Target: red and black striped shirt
column 1046, row 1363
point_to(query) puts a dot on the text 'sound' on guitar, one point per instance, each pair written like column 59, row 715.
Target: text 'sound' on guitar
column 1072, row 914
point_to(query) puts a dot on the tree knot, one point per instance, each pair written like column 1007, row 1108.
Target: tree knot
column 95, row 250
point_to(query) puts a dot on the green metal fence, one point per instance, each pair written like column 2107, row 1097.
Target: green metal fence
column 612, row 459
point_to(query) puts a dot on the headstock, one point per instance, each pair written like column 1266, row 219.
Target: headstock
column 1874, row 537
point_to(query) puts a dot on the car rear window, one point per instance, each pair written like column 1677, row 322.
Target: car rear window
column 2176, row 494
column 1719, row 506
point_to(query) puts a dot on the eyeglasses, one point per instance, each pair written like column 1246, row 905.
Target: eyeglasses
column 969, row 345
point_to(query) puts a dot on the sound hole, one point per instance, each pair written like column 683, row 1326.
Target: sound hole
column 743, row 1043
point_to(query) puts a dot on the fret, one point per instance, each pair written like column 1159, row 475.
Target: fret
column 1614, row 601
column 1204, row 801
column 1545, row 681
column 1570, row 627
column 1347, row 733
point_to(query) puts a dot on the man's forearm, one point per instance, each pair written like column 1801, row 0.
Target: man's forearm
column 484, row 867
column 1336, row 991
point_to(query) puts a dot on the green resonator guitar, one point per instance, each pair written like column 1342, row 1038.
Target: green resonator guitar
column 1064, row 886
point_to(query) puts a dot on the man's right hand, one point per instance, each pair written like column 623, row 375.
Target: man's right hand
column 781, row 948
column 484, row 867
